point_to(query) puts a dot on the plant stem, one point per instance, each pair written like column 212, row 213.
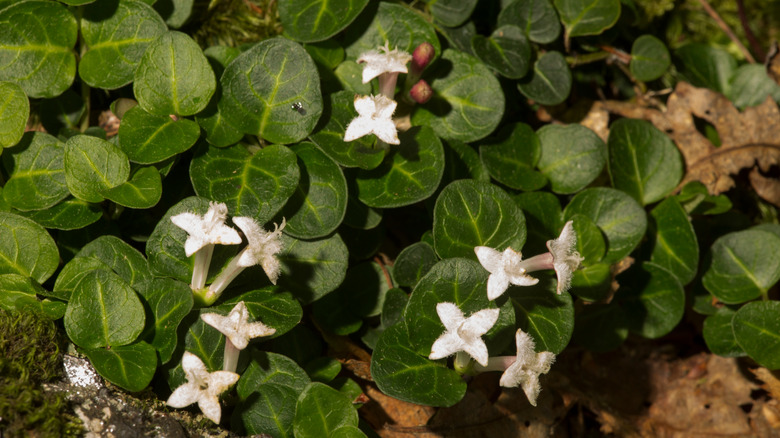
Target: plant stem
column 725, row 27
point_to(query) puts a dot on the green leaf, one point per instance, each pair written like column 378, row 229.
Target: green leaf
column 273, row 308
column 26, row 248
column 757, row 330
column 148, row 139
column 545, row 315
column 69, row 214
column 549, row 83
column 601, row 327
column 537, row 19
column 649, row 58
column 328, row 54
column 587, row 17
column 72, row 273
column 14, row 112
column 718, row 333
column 401, row 373
column 261, row 86
column 468, row 101
column 19, row 295
column 470, row 213
column 590, row 242
column 176, row 13
column 463, row 283
column 169, row 302
column 36, row 47
column 269, row 410
column 348, row 432
column 705, row 66
column 410, row 174
column 116, row 33
column 592, row 283
column 266, row 367
column 506, row 50
column 321, row 410
column 619, row 216
column 123, row 259
column 143, row 190
column 203, row 340
column 103, row 311
column 652, row 298
column 461, row 161
column 413, row 263
column 339, row 111
column 675, row 247
column 572, row 156
column 311, row 269
column 544, row 217
column 130, row 366
column 173, row 77
column 402, row 27
column 255, row 185
column 323, row 369
column 696, row 199
column 317, row 20
column 93, row 166
column 743, row 265
column 317, row 206
column 452, row 13
column 751, row 86
column 37, row 173
column 643, row 161
column 511, row 156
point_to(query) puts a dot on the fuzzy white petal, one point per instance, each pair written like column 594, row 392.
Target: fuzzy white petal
column 525, row 371
column 463, row 334
column 382, row 61
column 263, row 246
column 210, row 408
column 374, row 117
column 489, row 258
column 202, row 387
column 497, row 285
column 209, row 229
column 450, row 315
column 505, row 269
column 565, row 259
column 183, row 396
column 236, row 326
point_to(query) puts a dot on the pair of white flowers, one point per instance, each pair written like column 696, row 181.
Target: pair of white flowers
column 208, row 230
column 464, row 335
column 203, row 387
column 375, row 113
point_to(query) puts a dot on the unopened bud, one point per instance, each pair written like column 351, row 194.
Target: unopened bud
column 422, row 56
column 421, row 92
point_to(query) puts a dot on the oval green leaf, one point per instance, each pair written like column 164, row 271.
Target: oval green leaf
column 649, row 58
column 312, row 268
column 317, row 20
column 506, row 50
column 587, row 17
column 751, row 85
column 116, row 33
column 643, row 161
column 70, row 214
column 743, row 265
column 37, row 173
column 675, row 247
column 549, row 83
column 130, row 366
column 537, row 18
column 26, row 248
column 36, row 47
column 452, row 13
column 511, row 156
column 93, row 166
column 413, row 263
column 468, row 101
column 706, row 66
column 572, row 156
column 103, row 311
column 19, row 294
column 545, row 315
column 321, row 410
column 260, row 87
column 317, row 206
column 757, row 330
column 653, row 299
column 148, row 139
column 718, row 333
column 169, row 301
column 173, row 77
column 470, row 213
column 255, row 185
column 143, row 190
column 410, row 174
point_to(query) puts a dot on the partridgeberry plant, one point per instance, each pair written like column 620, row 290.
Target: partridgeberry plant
column 430, row 190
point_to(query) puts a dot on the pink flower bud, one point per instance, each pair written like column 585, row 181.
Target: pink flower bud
column 421, row 92
column 422, row 55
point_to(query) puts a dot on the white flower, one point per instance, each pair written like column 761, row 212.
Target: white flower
column 262, row 248
column 202, row 387
column 209, row 229
column 505, row 268
column 235, row 326
column 374, row 117
column 383, row 60
column 527, row 367
column 463, row 334
column 565, row 259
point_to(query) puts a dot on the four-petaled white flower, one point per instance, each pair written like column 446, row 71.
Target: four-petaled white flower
column 505, row 268
column 235, row 326
column 202, row 387
column 208, row 229
column 565, row 259
column 382, row 61
column 463, row 334
column 527, row 367
column 374, row 117
column 262, row 248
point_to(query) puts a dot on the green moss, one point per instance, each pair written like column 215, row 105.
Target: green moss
column 237, row 22
column 30, row 357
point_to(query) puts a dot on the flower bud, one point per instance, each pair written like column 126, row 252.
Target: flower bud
column 422, row 56
column 421, row 92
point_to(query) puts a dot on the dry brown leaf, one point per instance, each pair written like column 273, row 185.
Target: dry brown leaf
column 748, row 139
column 771, row 382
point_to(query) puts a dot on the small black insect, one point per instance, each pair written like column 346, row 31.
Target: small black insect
column 297, row 106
